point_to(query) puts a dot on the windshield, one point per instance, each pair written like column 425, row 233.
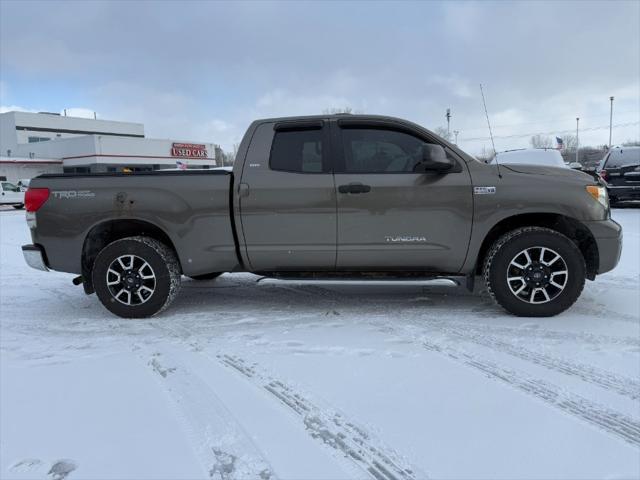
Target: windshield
column 623, row 157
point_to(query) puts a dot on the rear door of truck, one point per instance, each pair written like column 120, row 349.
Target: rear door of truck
column 287, row 198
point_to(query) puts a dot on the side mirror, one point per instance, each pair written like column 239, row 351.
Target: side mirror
column 434, row 159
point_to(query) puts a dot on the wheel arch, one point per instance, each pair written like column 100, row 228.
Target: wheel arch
column 570, row 227
column 109, row 231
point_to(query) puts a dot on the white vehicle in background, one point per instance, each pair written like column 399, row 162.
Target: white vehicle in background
column 23, row 184
column 531, row 156
column 11, row 194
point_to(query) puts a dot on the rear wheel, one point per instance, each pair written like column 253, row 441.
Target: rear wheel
column 136, row 277
column 206, row 276
column 534, row 272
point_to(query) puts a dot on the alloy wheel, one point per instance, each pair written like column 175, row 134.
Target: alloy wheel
column 131, row 280
column 537, row 275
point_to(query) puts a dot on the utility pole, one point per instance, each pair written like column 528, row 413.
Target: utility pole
column 610, row 120
column 456, row 132
column 577, row 138
column 448, row 115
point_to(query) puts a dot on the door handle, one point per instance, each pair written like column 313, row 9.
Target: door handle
column 243, row 190
column 354, row 188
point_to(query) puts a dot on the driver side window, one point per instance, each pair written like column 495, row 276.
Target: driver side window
column 370, row 150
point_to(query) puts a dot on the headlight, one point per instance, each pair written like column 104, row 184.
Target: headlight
column 600, row 194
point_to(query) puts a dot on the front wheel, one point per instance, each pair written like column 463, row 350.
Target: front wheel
column 136, row 277
column 534, row 272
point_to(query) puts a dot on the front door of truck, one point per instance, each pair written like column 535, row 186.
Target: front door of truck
column 389, row 217
column 288, row 198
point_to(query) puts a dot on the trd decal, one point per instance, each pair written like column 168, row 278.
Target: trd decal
column 73, row 194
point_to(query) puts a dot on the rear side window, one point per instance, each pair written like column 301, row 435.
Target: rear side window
column 299, row 151
column 369, row 150
column 623, row 158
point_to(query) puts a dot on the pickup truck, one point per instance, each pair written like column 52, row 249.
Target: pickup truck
column 328, row 197
column 11, row 194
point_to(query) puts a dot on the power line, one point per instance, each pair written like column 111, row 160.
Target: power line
column 555, row 132
column 546, row 122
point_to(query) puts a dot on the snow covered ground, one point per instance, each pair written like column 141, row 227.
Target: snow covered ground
column 293, row 381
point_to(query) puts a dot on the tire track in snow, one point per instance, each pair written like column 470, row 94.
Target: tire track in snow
column 329, row 427
column 224, row 449
column 622, row 385
column 621, row 425
column 578, row 337
column 324, row 424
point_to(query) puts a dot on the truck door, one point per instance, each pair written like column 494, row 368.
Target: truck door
column 390, row 218
column 288, row 198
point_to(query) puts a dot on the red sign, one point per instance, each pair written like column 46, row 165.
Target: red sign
column 189, row 150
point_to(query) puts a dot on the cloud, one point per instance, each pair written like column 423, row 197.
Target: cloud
column 204, row 70
column 15, row 108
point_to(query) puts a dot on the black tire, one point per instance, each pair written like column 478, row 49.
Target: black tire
column 165, row 270
column 206, row 276
column 19, row 206
column 498, row 266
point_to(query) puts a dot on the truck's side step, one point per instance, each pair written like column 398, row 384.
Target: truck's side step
column 356, row 279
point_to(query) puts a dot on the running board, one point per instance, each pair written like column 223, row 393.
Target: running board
column 422, row 281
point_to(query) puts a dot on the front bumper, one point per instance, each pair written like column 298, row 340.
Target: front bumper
column 608, row 237
column 34, row 256
column 622, row 193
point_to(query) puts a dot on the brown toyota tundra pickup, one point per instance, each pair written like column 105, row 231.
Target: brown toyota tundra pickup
column 328, row 197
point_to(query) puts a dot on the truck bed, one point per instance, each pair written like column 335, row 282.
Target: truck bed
column 192, row 207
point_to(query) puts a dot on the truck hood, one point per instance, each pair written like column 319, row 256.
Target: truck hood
column 548, row 171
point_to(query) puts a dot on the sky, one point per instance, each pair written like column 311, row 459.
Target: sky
column 203, row 70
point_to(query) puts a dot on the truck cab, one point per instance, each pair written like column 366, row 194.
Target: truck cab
column 351, row 194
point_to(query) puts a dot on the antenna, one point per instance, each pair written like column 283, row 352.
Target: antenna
column 493, row 145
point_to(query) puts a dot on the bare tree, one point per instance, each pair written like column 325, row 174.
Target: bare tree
column 541, row 141
column 442, row 132
column 569, row 142
column 486, row 155
column 333, row 110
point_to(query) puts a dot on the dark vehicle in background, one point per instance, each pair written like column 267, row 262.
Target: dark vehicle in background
column 620, row 170
column 337, row 197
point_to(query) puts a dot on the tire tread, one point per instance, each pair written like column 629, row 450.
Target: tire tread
column 501, row 242
column 168, row 256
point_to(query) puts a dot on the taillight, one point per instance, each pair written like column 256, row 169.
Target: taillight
column 34, row 198
column 603, row 174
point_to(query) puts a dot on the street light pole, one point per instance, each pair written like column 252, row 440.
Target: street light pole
column 610, row 120
column 448, row 120
column 456, row 132
column 577, row 138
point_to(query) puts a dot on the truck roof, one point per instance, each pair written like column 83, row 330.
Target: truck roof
column 357, row 116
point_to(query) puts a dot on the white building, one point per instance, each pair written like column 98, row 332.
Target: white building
column 35, row 143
